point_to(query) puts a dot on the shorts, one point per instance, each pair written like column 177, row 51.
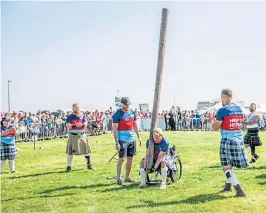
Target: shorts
column 127, row 149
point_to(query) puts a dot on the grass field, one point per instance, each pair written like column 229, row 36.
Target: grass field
column 41, row 184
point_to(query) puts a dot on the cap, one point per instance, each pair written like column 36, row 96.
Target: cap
column 5, row 119
column 125, row 101
column 158, row 131
column 227, row 92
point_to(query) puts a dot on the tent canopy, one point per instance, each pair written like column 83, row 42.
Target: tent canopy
column 217, row 106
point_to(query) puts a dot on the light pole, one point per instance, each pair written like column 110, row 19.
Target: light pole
column 8, row 82
column 117, row 93
column 174, row 101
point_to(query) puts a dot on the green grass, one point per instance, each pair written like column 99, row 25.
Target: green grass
column 40, row 183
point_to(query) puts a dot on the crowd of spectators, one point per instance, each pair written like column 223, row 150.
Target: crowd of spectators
column 46, row 124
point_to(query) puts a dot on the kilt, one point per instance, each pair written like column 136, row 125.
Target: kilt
column 252, row 138
column 8, row 151
column 77, row 145
column 233, row 154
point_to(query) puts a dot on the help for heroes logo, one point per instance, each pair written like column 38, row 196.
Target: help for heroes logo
column 236, row 122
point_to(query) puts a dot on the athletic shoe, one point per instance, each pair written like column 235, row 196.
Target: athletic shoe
column 68, row 169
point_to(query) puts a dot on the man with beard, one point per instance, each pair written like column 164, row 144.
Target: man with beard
column 229, row 120
column 124, row 125
column 77, row 143
column 252, row 139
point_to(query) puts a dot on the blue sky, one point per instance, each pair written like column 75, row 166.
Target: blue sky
column 57, row 53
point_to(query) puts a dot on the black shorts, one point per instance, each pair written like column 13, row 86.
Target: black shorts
column 127, row 149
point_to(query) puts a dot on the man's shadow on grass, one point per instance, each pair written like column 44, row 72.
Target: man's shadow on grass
column 192, row 200
column 77, row 187
column 263, row 176
column 258, row 168
column 130, row 186
column 41, row 174
column 36, row 197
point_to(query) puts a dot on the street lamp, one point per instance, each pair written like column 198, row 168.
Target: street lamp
column 117, row 92
column 8, row 82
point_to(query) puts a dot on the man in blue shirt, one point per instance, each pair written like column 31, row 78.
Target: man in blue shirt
column 161, row 147
column 229, row 120
column 124, row 126
column 77, row 143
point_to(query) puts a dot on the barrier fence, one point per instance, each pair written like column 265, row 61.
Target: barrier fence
column 46, row 131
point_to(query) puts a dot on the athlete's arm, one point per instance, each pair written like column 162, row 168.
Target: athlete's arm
column 253, row 121
column 216, row 124
column 116, row 119
column 159, row 160
column 68, row 123
column 5, row 133
column 136, row 129
column 115, row 128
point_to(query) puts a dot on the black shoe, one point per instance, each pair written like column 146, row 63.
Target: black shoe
column 13, row 172
column 227, row 187
column 129, row 180
column 68, row 169
column 239, row 191
column 120, row 182
column 256, row 156
column 89, row 166
column 252, row 161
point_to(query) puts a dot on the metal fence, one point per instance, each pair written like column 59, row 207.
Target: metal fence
column 41, row 131
column 188, row 124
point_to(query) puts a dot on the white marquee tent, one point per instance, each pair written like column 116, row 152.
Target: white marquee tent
column 217, row 106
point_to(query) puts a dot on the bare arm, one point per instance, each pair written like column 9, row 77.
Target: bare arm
column 69, row 126
column 4, row 133
column 136, row 129
column 255, row 121
column 216, row 124
column 159, row 160
column 115, row 127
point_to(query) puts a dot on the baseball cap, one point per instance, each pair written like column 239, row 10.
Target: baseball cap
column 158, row 131
column 5, row 119
column 125, row 101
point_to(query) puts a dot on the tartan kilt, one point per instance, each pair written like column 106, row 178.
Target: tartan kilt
column 252, row 138
column 8, row 151
column 233, row 154
column 78, row 145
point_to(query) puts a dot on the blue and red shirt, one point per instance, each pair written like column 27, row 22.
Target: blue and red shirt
column 159, row 147
column 232, row 117
column 125, row 122
column 74, row 120
column 10, row 138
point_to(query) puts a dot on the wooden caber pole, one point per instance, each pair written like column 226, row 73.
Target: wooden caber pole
column 158, row 83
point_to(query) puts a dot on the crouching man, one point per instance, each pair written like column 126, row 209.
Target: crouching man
column 161, row 146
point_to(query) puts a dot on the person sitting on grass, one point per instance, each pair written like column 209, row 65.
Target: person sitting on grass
column 161, row 147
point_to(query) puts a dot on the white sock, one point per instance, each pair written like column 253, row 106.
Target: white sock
column 232, row 179
column 227, row 180
column 143, row 175
column 164, row 175
column 11, row 165
column 69, row 160
column 2, row 165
